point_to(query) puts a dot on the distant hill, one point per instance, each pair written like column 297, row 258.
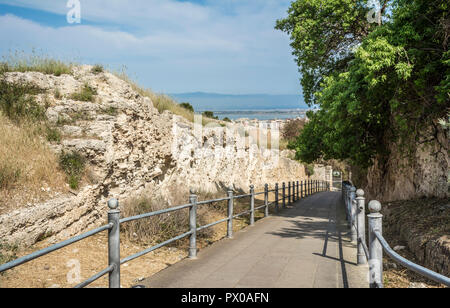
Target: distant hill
column 225, row 102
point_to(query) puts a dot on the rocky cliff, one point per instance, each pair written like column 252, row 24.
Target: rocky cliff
column 423, row 173
column 133, row 149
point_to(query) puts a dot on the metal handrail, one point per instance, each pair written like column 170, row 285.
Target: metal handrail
column 45, row 251
column 156, row 213
column 354, row 203
column 410, row 265
column 95, row 277
column 306, row 188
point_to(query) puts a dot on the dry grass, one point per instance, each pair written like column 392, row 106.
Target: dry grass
column 26, row 163
column 164, row 227
column 53, row 270
column 21, row 62
column 163, row 102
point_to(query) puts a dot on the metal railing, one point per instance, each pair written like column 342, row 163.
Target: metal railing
column 354, row 202
column 296, row 191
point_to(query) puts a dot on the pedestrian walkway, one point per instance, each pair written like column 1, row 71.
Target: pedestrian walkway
column 305, row 246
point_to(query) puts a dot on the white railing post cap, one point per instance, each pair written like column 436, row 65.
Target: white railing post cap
column 360, row 193
column 374, row 206
column 113, row 204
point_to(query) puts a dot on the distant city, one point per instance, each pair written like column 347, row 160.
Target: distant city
column 262, row 115
column 261, row 107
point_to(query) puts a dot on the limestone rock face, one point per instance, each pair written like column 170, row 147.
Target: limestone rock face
column 424, row 174
column 132, row 149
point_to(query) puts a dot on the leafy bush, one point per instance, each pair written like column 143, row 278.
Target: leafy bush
column 17, row 101
column 53, row 134
column 97, row 69
column 292, row 129
column 86, row 94
column 187, row 106
column 309, row 170
column 210, row 114
column 73, row 164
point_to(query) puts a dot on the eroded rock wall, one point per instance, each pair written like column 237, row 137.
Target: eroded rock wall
column 424, row 174
column 132, row 149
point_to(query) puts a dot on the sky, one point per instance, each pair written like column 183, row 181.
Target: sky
column 169, row 46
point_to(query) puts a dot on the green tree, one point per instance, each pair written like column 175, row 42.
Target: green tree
column 323, row 34
column 387, row 84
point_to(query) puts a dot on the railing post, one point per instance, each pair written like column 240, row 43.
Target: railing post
column 193, row 225
column 361, row 223
column 353, row 213
column 293, row 191
column 114, row 243
column 301, row 189
column 230, row 213
column 266, row 200
column 276, row 198
column 289, row 193
column 375, row 248
column 284, row 195
column 298, row 195
column 252, row 205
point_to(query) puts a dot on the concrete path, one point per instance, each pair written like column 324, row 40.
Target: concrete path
column 305, row 246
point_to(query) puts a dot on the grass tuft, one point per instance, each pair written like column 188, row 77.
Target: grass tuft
column 86, row 94
column 73, row 164
column 97, row 69
column 21, row 62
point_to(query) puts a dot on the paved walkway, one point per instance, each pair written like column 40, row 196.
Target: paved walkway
column 305, row 246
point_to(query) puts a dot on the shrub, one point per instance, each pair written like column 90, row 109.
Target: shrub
column 53, row 134
column 73, row 164
column 97, row 69
column 226, row 119
column 17, row 101
column 187, row 106
column 309, row 169
column 112, row 111
column 209, row 114
column 86, row 94
column 292, row 129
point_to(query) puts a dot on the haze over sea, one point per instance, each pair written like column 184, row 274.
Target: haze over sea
column 252, row 106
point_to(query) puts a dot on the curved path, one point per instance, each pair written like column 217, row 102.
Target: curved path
column 305, row 246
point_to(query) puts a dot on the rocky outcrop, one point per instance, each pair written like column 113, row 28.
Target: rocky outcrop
column 132, row 149
column 423, row 174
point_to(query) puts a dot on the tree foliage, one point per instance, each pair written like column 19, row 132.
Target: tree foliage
column 374, row 84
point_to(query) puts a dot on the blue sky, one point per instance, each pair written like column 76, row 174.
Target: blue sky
column 218, row 46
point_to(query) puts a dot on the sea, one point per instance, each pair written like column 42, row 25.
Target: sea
column 262, row 115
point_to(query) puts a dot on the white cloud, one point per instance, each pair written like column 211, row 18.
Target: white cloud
column 223, row 46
